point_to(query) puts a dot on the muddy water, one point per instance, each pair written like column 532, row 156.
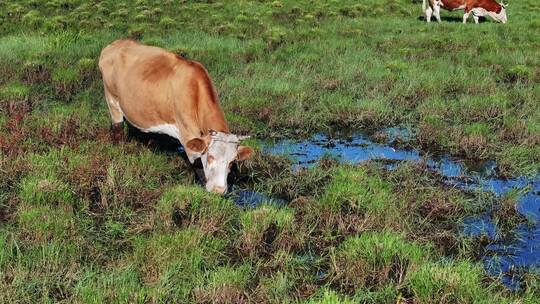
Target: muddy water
column 505, row 258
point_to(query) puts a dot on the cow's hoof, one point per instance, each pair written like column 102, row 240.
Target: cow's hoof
column 117, row 132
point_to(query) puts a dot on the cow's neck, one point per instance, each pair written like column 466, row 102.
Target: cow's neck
column 210, row 114
column 213, row 119
column 206, row 113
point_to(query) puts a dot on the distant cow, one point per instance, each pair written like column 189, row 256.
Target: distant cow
column 478, row 8
column 159, row 91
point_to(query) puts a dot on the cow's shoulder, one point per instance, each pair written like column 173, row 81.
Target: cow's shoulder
column 194, row 69
column 489, row 5
column 158, row 64
column 200, row 79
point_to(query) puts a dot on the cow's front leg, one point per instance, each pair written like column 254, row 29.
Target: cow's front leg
column 476, row 18
column 117, row 131
column 437, row 12
column 465, row 17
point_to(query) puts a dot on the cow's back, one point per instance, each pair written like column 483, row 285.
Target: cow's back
column 140, row 77
column 453, row 4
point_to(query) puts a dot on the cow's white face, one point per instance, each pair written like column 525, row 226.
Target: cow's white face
column 501, row 16
column 218, row 152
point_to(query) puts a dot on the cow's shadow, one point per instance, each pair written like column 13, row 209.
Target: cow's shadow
column 165, row 144
column 155, row 141
column 456, row 19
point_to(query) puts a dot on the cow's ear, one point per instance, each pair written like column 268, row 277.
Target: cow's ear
column 197, row 145
column 244, row 153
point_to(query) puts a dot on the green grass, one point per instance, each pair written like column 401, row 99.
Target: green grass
column 86, row 220
column 376, row 259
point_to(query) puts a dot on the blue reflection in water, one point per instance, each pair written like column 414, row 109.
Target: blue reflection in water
column 481, row 225
column 352, row 150
column 503, row 258
column 251, row 199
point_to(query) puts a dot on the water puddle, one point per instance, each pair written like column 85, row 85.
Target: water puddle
column 251, row 199
column 504, row 258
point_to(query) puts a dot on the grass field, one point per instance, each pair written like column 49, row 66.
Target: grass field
column 87, row 220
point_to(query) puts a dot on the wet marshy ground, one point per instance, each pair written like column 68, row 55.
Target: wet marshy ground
column 505, row 256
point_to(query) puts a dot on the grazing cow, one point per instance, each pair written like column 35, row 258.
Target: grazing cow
column 159, row 91
column 478, row 8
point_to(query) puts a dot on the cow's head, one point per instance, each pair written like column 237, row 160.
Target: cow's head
column 218, row 151
column 501, row 16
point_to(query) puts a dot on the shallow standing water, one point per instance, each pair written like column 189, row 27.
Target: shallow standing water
column 504, row 258
column 251, row 199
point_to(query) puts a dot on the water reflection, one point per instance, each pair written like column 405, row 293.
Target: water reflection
column 503, row 257
column 251, row 199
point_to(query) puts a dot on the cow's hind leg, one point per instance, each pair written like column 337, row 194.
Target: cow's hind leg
column 117, row 117
column 429, row 12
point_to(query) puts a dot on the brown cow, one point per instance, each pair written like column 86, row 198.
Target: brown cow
column 158, row 91
column 478, row 8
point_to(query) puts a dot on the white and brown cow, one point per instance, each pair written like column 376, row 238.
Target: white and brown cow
column 159, row 91
column 478, row 8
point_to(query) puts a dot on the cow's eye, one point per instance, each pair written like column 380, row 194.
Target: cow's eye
column 210, row 159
